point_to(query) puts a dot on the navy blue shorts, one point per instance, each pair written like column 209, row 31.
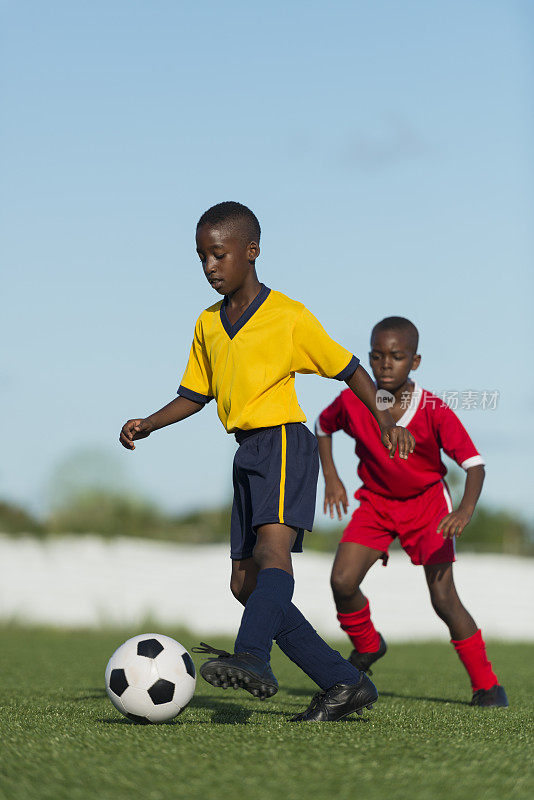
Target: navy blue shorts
column 275, row 480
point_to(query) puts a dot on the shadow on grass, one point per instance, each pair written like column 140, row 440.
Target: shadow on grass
column 226, row 712
column 230, row 713
column 448, row 700
column 96, row 694
column 235, row 715
column 223, row 713
column 139, row 724
column 297, row 692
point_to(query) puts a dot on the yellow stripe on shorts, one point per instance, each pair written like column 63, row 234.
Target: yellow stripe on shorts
column 282, row 476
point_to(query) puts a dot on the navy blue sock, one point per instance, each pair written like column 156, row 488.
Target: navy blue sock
column 303, row 645
column 264, row 612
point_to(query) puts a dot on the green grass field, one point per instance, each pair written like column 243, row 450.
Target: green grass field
column 62, row 738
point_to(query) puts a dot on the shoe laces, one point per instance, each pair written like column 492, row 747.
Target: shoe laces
column 316, row 700
column 207, row 649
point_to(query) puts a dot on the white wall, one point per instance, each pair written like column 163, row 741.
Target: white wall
column 88, row 581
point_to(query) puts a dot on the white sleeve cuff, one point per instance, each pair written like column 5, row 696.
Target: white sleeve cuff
column 318, row 430
column 474, row 461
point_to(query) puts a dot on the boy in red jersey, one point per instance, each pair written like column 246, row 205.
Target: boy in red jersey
column 410, row 501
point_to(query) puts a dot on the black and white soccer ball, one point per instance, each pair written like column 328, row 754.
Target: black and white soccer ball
column 150, row 678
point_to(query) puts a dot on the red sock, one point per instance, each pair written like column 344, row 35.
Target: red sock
column 472, row 654
column 360, row 630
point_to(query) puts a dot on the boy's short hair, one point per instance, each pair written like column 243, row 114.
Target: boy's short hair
column 400, row 324
column 236, row 215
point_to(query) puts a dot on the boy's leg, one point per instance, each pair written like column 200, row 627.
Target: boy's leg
column 243, row 579
column 269, row 613
column 351, row 564
column 269, row 601
column 296, row 637
column 248, row 667
column 446, row 603
column 465, row 636
column 278, row 483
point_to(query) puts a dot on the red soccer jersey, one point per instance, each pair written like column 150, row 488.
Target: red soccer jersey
column 434, row 425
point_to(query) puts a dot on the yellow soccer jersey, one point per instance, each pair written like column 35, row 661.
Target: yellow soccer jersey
column 249, row 367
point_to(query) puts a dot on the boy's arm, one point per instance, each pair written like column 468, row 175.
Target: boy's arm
column 314, row 351
column 393, row 436
column 458, row 445
column 334, row 490
column 454, row 523
column 178, row 409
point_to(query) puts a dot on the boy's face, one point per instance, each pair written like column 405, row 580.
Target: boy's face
column 226, row 259
column 392, row 359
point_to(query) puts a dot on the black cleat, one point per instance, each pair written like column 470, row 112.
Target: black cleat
column 339, row 701
column 496, row 696
column 363, row 661
column 238, row 670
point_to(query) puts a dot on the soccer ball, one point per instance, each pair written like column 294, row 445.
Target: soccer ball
column 150, row 678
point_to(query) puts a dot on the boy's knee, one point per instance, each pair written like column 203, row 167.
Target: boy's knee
column 267, row 554
column 343, row 583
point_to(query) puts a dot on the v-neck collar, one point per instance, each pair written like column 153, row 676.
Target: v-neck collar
column 410, row 412
column 249, row 311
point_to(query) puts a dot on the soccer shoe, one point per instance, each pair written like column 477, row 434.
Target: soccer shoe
column 363, row 661
column 239, row 670
column 496, row 696
column 339, row 701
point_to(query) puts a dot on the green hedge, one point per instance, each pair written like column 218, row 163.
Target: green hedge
column 114, row 514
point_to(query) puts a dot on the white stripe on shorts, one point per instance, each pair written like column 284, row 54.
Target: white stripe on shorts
column 448, row 502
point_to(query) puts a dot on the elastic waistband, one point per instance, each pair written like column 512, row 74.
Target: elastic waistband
column 364, row 489
column 240, row 435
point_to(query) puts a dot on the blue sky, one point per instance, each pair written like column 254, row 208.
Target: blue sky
column 387, row 150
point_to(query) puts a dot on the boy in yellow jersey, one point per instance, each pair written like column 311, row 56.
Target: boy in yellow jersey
column 245, row 352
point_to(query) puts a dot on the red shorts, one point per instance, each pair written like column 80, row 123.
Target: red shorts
column 378, row 520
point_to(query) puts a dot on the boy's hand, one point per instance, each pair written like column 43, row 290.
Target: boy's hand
column 453, row 524
column 132, row 430
column 335, row 496
column 398, row 438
